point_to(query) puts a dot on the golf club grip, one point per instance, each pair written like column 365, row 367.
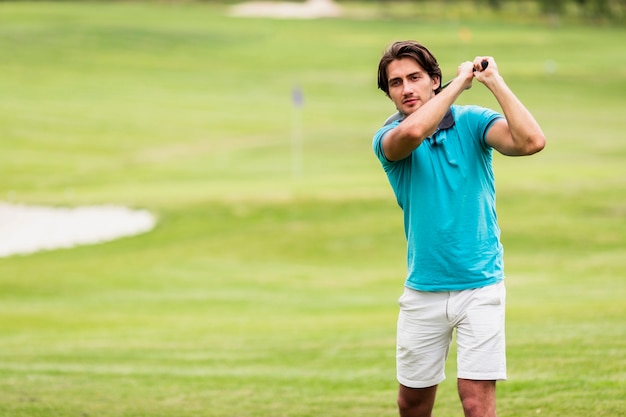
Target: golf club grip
column 484, row 64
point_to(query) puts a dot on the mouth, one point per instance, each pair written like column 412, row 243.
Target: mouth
column 409, row 101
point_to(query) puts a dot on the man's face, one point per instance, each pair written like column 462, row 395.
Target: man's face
column 409, row 85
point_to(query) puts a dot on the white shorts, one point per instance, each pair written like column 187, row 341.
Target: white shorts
column 425, row 325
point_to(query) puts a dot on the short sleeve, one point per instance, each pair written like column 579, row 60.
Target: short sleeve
column 377, row 143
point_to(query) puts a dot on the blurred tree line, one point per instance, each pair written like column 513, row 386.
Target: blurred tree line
column 591, row 8
column 598, row 10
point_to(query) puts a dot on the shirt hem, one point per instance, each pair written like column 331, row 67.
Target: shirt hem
column 445, row 288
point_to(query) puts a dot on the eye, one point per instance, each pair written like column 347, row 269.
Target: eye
column 394, row 83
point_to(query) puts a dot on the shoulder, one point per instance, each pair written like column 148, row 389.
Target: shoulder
column 377, row 141
column 475, row 121
column 473, row 112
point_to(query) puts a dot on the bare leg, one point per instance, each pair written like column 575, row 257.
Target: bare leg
column 416, row 402
column 478, row 397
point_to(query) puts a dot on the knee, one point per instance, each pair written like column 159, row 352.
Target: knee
column 478, row 398
column 416, row 402
column 477, row 407
column 471, row 406
column 405, row 403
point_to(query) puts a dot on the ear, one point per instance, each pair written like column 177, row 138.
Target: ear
column 436, row 80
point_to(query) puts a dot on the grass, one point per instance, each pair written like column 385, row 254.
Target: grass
column 264, row 294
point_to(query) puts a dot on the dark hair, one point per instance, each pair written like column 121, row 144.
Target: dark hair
column 407, row 49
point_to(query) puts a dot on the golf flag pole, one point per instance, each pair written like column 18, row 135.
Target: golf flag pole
column 297, row 99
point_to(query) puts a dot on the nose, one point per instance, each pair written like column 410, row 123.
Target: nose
column 407, row 89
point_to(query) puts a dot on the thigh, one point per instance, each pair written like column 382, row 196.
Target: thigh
column 480, row 334
column 423, row 339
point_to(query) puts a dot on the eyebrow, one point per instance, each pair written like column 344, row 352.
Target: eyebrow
column 408, row 75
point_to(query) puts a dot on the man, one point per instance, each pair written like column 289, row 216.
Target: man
column 437, row 158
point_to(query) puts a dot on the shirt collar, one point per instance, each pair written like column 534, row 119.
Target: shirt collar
column 447, row 122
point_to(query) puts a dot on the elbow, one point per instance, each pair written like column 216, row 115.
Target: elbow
column 536, row 143
column 523, row 147
column 530, row 145
column 401, row 143
column 415, row 134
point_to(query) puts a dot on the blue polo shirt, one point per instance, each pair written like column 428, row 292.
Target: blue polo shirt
column 447, row 193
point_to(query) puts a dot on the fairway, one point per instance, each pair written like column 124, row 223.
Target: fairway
column 264, row 292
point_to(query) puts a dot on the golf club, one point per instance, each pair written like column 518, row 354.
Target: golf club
column 398, row 116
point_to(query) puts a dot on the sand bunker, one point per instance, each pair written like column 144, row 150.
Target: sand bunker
column 28, row 229
column 310, row 9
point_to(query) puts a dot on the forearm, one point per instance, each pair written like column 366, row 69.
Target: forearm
column 422, row 123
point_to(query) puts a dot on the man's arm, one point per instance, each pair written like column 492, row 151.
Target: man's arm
column 519, row 134
column 411, row 132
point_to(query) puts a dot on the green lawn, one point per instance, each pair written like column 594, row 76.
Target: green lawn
column 267, row 294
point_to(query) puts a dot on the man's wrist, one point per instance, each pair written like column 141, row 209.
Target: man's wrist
column 495, row 83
